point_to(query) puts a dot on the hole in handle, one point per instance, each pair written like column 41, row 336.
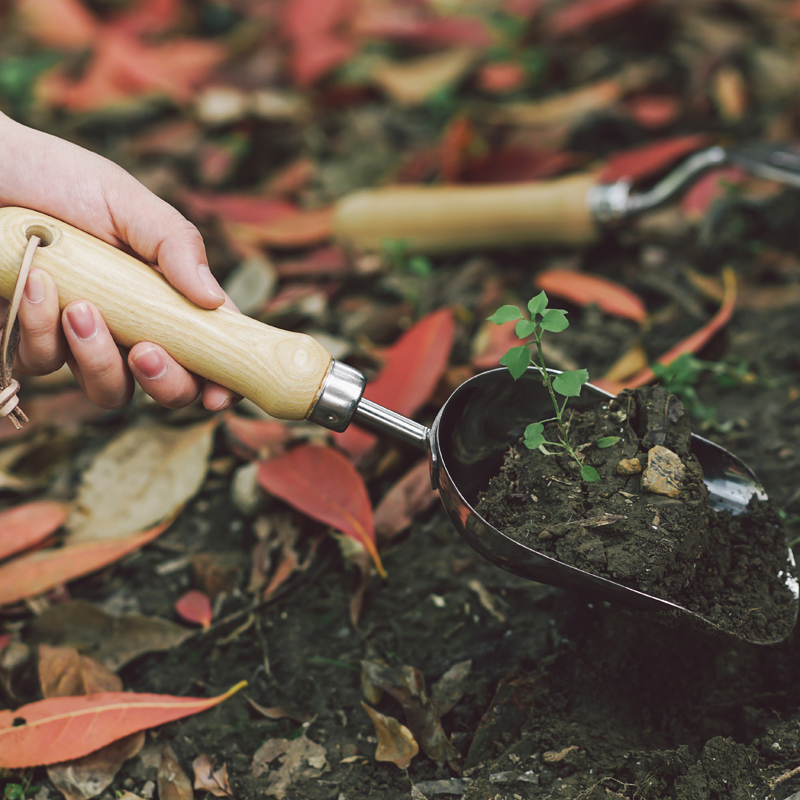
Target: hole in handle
column 43, row 232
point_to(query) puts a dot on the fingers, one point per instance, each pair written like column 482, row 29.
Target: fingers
column 166, row 381
column 95, row 359
column 42, row 346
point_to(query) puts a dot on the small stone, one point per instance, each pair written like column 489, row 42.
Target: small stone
column 545, row 535
column 629, row 466
column 664, row 472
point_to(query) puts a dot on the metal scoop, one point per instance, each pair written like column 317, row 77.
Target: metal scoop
column 291, row 376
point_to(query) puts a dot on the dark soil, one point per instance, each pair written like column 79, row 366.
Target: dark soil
column 647, row 523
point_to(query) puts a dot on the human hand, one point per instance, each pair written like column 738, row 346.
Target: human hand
column 47, row 174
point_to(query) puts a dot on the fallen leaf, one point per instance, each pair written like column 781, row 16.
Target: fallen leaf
column 554, row 756
column 173, row 782
column 691, row 344
column 708, row 188
column 62, row 728
column 298, row 229
column 413, row 23
column 251, row 284
column 449, row 689
column 407, row 685
column 396, row 743
column 584, row 289
column 323, row 484
column 500, row 77
column 300, row 759
column 517, row 164
column 642, row 162
column 653, row 110
column 64, row 672
column 236, row 208
column 280, row 712
column 66, row 411
column 195, row 607
column 579, row 15
column 37, row 572
column 63, row 24
column 256, row 438
column 411, row 369
column 142, row 476
column 24, row 526
column 729, row 92
column 410, row 496
column 326, row 260
column 207, row 779
column 413, row 81
column 113, row 641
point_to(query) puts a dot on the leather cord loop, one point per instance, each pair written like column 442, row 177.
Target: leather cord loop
column 9, row 387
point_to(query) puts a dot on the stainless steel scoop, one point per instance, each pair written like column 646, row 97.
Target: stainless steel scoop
column 291, row 376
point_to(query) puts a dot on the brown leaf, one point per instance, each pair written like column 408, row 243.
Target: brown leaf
column 411, row 495
column 209, row 780
column 300, row 759
column 64, row 672
column 396, row 743
column 173, row 782
column 449, row 689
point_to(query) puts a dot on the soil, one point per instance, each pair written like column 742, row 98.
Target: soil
column 646, row 523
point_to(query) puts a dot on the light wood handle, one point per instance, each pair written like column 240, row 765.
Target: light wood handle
column 280, row 371
column 436, row 219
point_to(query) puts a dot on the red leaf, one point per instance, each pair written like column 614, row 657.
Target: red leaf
column 413, row 24
column 501, row 76
column 516, row 163
column 411, row 495
column 493, row 342
column 323, row 484
column 24, row 526
column 149, row 17
column 710, row 187
column 584, row 290
column 579, row 15
column 654, row 111
column 237, row 208
column 633, row 165
column 691, row 344
column 300, row 229
column 411, row 369
column 259, row 437
column 33, row 574
column 195, row 607
column 64, row 728
column 330, row 260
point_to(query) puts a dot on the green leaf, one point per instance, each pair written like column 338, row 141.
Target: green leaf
column 537, row 304
column 607, row 441
column 505, row 314
column 517, row 360
column 589, row 474
column 524, row 328
column 568, row 384
column 533, row 436
column 554, row 320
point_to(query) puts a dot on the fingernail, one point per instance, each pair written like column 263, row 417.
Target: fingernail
column 150, row 363
column 34, row 287
column 81, row 321
column 209, row 282
column 226, row 403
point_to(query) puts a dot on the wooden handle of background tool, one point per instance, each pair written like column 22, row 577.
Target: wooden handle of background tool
column 282, row 372
column 437, row 219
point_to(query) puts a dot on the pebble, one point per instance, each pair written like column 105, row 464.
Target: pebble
column 629, row 466
column 664, row 472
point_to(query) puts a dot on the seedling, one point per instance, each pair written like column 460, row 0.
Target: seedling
column 567, row 384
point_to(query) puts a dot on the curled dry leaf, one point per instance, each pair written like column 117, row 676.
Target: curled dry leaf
column 173, row 782
column 300, row 759
column 411, row 495
column 207, row 779
column 64, row 672
column 63, row 728
column 195, row 607
column 449, row 689
column 142, row 476
column 396, row 743
column 27, row 525
column 584, row 290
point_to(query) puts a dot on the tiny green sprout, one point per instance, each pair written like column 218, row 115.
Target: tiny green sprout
column 607, row 441
column 567, row 384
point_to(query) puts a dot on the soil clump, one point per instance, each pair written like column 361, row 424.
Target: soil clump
column 647, row 522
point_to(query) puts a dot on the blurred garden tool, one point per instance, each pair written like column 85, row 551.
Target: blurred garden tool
column 291, row 376
column 570, row 211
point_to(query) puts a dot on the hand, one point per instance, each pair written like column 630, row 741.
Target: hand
column 47, row 174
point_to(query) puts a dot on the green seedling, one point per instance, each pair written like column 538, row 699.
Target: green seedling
column 567, row 384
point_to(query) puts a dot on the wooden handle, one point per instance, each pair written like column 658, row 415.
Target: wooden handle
column 437, row 219
column 282, row 372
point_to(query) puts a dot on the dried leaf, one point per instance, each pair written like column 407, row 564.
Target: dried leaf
column 584, row 290
column 654, row 110
column 280, row 712
column 195, row 607
column 62, row 728
column 642, row 162
column 411, row 369
column 37, row 572
column 63, row 24
column 236, row 208
column 579, row 15
column 113, row 641
column 64, row 672
column 173, row 782
column 209, row 780
column 407, row 685
column 708, row 188
column 413, row 23
column 411, row 495
column 413, row 81
column 300, row 759
column 449, row 689
column 24, row 526
column 298, row 229
column 256, row 437
column 144, row 475
column 396, row 743
column 322, row 483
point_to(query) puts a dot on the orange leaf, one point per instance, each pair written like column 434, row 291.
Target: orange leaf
column 240, row 208
column 411, row 369
column 300, row 229
column 691, row 344
column 24, row 526
column 322, row 483
column 641, row 162
column 33, row 574
column 584, row 290
column 63, row 728
column 257, row 437
column 195, row 607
